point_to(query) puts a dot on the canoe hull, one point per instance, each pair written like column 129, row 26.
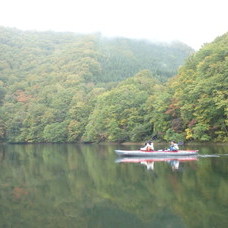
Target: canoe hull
column 139, row 153
column 131, row 159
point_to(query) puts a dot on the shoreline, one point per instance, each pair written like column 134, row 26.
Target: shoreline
column 114, row 143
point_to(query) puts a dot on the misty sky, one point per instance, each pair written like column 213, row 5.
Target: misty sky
column 193, row 22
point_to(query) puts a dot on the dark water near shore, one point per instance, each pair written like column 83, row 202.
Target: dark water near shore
column 69, row 185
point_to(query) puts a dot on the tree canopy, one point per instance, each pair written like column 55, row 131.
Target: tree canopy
column 65, row 87
column 196, row 104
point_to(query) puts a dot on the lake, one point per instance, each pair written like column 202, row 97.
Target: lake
column 70, row 185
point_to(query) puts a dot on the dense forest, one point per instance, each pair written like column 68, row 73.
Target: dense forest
column 65, row 87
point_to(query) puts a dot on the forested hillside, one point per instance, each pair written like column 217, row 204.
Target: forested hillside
column 194, row 104
column 64, row 87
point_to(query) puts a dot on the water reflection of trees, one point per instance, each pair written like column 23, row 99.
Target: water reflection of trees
column 55, row 185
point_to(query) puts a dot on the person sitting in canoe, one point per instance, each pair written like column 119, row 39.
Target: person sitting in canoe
column 173, row 146
column 149, row 146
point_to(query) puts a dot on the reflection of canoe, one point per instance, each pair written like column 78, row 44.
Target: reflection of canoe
column 149, row 162
column 155, row 153
column 156, row 159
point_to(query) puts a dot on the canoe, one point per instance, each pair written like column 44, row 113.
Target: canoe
column 140, row 153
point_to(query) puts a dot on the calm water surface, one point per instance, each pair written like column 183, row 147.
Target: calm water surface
column 86, row 186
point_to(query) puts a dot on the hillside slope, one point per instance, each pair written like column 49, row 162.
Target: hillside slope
column 63, row 87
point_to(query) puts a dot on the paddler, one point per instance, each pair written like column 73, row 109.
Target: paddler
column 173, row 146
column 149, row 146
